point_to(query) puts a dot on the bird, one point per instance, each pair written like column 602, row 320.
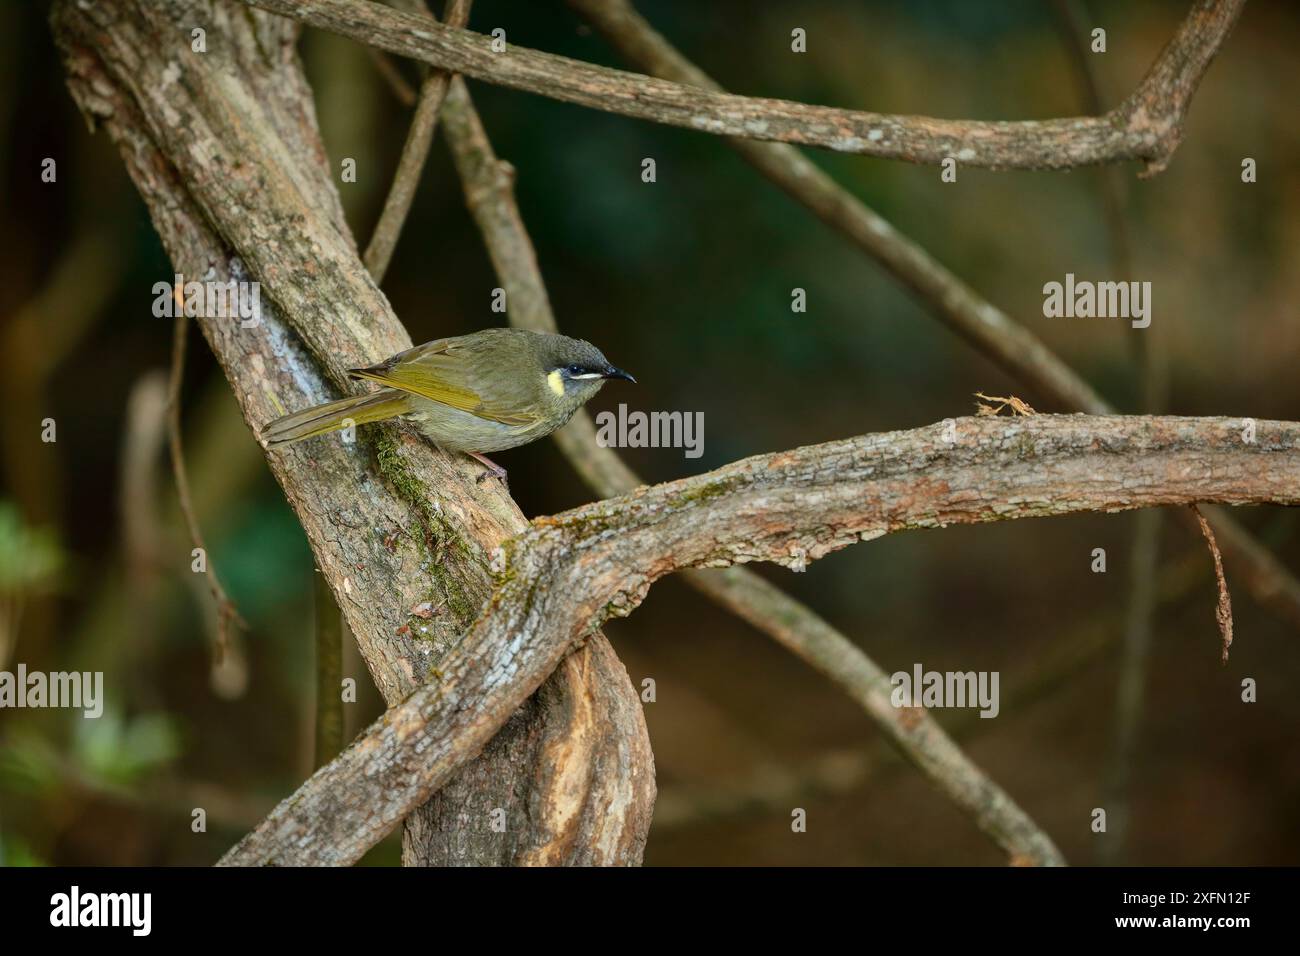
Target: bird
column 484, row 392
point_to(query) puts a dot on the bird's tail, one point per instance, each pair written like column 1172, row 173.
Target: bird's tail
column 375, row 407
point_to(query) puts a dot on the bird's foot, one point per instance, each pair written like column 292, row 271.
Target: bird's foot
column 493, row 469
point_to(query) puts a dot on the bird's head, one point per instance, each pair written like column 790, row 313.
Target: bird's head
column 575, row 370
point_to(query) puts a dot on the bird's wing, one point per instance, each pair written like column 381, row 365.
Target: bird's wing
column 446, row 371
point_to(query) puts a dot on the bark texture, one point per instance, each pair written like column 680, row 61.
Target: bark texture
column 988, row 328
column 565, row 575
column 225, row 150
column 489, row 193
column 1147, row 126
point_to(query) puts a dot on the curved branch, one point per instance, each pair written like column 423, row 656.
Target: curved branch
column 984, row 325
column 1147, row 126
column 227, row 614
column 414, row 152
column 488, row 184
column 566, row 574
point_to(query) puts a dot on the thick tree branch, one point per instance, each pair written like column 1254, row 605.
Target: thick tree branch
column 1147, row 126
column 414, row 152
column 559, row 580
column 971, row 316
column 488, row 183
column 224, row 148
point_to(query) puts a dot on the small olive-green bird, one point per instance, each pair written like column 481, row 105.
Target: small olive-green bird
column 483, row 392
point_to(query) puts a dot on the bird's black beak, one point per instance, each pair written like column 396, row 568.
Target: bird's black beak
column 613, row 372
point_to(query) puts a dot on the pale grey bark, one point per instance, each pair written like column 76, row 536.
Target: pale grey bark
column 1147, row 126
column 565, row 575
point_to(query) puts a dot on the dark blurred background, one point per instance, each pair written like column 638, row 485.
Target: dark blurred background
column 686, row 283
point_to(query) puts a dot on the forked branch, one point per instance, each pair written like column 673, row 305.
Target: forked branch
column 563, row 576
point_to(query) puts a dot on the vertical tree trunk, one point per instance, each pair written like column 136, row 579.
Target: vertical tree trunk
column 224, row 148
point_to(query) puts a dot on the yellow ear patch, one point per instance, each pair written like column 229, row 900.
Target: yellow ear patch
column 556, row 381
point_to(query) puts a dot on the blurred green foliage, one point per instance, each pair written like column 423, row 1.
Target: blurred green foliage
column 30, row 558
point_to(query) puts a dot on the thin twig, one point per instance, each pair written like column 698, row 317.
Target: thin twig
column 566, row 574
column 392, row 76
column 1147, row 126
column 414, row 153
column 1071, row 17
column 912, row 731
column 227, row 614
column 1223, row 609
column 329, row 673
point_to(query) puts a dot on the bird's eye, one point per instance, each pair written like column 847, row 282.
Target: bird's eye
column 575, row 370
